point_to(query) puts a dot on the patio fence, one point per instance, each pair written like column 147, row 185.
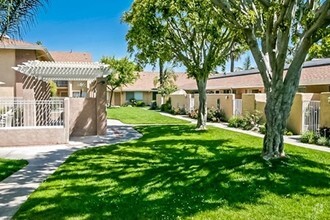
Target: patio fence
column 311, row 111
column 16, row 112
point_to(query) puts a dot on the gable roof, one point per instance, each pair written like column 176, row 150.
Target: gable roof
column 145, row 82
column 13, row 44
column 60, row 56
column 315, row 72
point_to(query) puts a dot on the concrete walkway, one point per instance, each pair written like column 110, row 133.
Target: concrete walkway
column 294, row 140
column 44, row 160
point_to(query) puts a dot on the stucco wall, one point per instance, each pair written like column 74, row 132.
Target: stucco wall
column 7, row 74
column 248, row 103
column 325, row 109
column 32, row 136
column 179, row 101
column 226, row 102
column 83, row 116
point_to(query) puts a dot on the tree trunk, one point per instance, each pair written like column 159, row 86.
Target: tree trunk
column 111, row 95
column 275, row 125
column 202, row 110
column 161, row 72
column 277, row 110
column 232, row 62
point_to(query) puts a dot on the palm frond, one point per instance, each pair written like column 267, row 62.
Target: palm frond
column 18, row 14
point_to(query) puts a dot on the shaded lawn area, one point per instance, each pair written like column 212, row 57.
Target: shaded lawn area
column 8, row 167
column 134, row 115
column 175, row 172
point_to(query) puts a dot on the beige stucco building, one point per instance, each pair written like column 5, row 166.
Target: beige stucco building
column 315, row 78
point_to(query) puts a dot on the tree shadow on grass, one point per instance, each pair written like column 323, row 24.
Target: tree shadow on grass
column 165, row 178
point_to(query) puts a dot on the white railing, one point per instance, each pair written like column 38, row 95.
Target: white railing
column 16, row 112
column 311, row 112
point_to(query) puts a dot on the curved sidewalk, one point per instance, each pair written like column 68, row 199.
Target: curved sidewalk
column 44, row 160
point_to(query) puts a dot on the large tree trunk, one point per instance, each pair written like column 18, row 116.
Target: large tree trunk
column 277, row 110
column 202, row 110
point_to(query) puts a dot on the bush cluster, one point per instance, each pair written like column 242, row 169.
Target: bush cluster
column 134, row 103
column 213, row 115
column 250, row 121
column 312, row 138
column 153, row 105
column 166, row 107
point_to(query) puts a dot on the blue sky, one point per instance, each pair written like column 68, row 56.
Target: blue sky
column 83, row 26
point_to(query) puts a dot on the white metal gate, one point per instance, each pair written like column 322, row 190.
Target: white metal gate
column 238, row 107
column 311, row 116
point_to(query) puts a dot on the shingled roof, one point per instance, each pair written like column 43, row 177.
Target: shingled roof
column 13, row 44
column 146, row 82
column 316, row 72
column 61, row 56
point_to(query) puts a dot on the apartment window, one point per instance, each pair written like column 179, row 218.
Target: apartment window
column 129, row 96
column 255, row 90
column 138, row 96
column 76, row 94
column 61, row 83
column 134, row 95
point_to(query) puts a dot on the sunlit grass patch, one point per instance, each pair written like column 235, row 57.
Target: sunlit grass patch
column 185, row 174
column 8, row 167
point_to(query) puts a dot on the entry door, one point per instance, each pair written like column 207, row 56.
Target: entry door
column 117, row 99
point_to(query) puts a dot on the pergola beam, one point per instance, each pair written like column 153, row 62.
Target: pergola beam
column 73, row 71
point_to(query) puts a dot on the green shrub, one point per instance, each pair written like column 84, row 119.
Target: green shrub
column 322, row 141
column 193, row 114
column 262, row 129
column 132, row 102
column 179, row 111
column 325, row 132
column 167, row 107
column 235, row 122
column 140, row 104
column 153, row 105
column 308, row 137
column 288, row 132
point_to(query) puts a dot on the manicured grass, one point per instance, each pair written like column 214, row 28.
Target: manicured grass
column 132, row 115
column 175, row 172
column 8, row 167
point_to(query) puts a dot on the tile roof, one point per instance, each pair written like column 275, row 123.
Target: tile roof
column 61, row 56
column 146, row 82
column 8, row 43
column 314, row 73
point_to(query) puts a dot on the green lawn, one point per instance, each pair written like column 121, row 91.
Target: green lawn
column 133, row 115
column 8, row 167
column 175, row 172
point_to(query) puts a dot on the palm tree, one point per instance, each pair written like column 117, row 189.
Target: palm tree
column 237, row 50
column 166, row 83
column 16, row 14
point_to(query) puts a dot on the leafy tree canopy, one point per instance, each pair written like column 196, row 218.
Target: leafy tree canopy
column 320, row 49
column 123, row 72
column 269, row 28
column 184, row 31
